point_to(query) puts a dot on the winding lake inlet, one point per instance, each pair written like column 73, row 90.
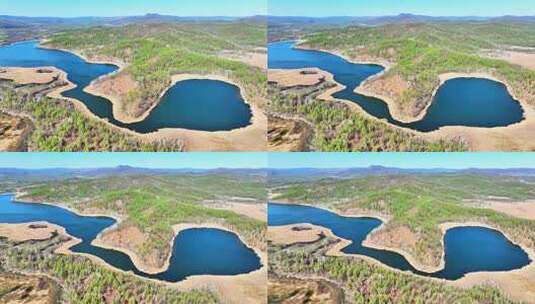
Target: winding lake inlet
column 196, row 104
column 467, row 249
column 471, row 102
column 196, row 251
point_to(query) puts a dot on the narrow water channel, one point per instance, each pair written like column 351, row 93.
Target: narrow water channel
column 197, row 104
column 467, row 249
column 471, row 102
column 196, row 251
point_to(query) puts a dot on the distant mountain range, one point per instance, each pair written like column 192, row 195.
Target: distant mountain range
column 11, row 22
column 314, row 173
column 338, row 172
column 378, row 20
column 278, row 175
column 19, row 28
column 119, row 170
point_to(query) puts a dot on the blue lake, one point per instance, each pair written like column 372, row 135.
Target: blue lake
column 467, row 249
column 195, row 251
column 199, row 104
column 471, row 102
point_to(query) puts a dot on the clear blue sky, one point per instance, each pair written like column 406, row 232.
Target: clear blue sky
column 394, row 7
column 262, row 160
column 402, row 160
column 76, row 8
column 144, row 160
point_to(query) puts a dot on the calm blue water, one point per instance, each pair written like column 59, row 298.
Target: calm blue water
column 195, row 251
column 207, row 105
column 467, row 249
column 469, row 102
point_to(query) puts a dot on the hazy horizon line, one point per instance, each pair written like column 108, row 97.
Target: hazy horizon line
column 269, row 168
column 126, row 16
column 397, row 15
column 265, row 15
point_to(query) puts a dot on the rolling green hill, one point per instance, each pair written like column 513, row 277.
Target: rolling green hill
column 154, row 52
column 172, row 199
column 420, row 52
column 421, row 203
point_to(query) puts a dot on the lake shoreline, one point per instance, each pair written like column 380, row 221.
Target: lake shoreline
column 248, row 138
column 516, row 136
column 336, row 250
column 226, row 283
column 119, row 219
column 392, row 105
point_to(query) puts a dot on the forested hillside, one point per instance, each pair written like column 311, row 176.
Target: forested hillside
column 420, row 52
column 153, row 52
column 172, row 199
column 417, row 205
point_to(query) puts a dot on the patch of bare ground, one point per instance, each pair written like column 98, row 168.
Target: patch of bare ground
column 28, row 231
column 27, row 289
column 256, row 211
column 36, row 81
column 404, row 241
column 298, row 291
column 297, row 77
column 523, row 59
column 288, row 134
column 42, row 75
column 14, row 132
column 117, row 88
column 250, row 138
column 41, row 231
column 519, row 285
column 520, row 209
column 291, row 234
column 401, row 237
column 306, row 233
column 253, row 58
column 392, row 89
column 237, row 289
column 130, row 239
